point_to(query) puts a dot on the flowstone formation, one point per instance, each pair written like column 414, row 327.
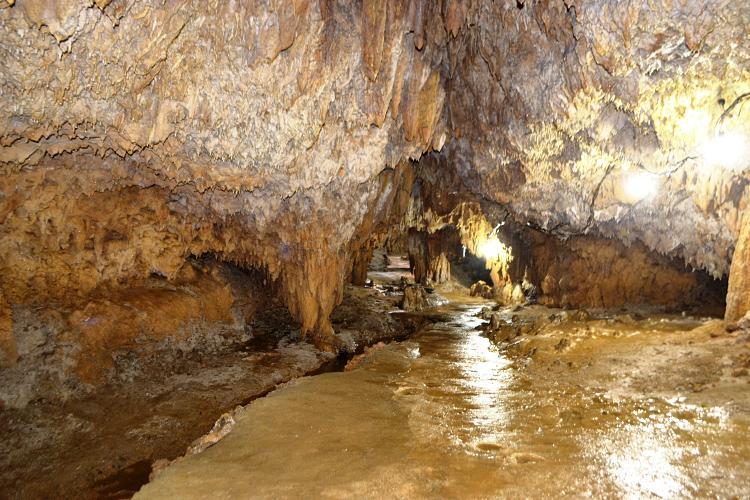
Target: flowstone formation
column 738, row 297
column 290, row 138
column 626, row 120
column 137, row 134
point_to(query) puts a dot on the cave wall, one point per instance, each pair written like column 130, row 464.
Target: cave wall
column 594, row 272
column 553, row 105
column 59, row 350
column 576, row 271
column 282, row 136
column 738, row 294
column 138, row 133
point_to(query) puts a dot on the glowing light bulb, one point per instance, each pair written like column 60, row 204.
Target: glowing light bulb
column 493, row 249
column 728, row 150
column 641, row 185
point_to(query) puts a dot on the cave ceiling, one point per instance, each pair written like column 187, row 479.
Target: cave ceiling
column 134, row 134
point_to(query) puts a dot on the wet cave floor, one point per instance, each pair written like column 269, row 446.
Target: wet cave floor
column 612, row 405
column 549, row 403
column 103, row 444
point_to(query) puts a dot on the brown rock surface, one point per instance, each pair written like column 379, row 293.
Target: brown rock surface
column 554, row 105
column 277, row 136
column 415, row 298
column 173, row 170
column 738, row 295
column 136, row 134
column 588, row 272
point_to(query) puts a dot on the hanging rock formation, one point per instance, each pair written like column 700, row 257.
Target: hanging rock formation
column 281, row 137
column 555, row 105
column 137, row 134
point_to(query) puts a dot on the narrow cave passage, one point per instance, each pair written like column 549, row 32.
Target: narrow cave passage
column 374, row 248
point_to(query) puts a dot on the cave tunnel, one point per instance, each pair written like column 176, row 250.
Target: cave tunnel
column 374, row 249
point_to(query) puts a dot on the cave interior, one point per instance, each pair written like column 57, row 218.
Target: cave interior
column 203, row 200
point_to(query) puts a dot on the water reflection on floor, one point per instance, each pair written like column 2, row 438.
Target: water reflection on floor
column 447, row 415
column 459, row 383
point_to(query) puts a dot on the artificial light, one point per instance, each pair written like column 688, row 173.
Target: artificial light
column 492, row 249
column 641, row 185
column 729, row 150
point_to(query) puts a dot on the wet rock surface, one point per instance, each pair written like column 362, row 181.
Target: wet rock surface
column 170, row 171
column 635, row 354
column 449, row 414
column 102, row 444
column 415, row 298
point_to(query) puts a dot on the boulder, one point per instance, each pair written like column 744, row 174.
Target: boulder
column 481, row 289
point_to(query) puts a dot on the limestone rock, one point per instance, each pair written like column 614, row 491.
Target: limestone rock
column 738, row 295
column 290, row 138
column 415, row 298
column 243, row 131
column 481, row 289
column 556, row 106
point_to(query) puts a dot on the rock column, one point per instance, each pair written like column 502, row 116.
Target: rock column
column 738, row 294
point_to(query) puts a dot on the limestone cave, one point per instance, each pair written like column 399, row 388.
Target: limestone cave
column 374, row 249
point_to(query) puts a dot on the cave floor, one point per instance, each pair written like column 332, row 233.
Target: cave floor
column 622, row 405
column 102, row 445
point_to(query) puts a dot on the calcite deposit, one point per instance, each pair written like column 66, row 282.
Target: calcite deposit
column 738, row 296
column 137, row 134
column 554, row 105
column 287, row 139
